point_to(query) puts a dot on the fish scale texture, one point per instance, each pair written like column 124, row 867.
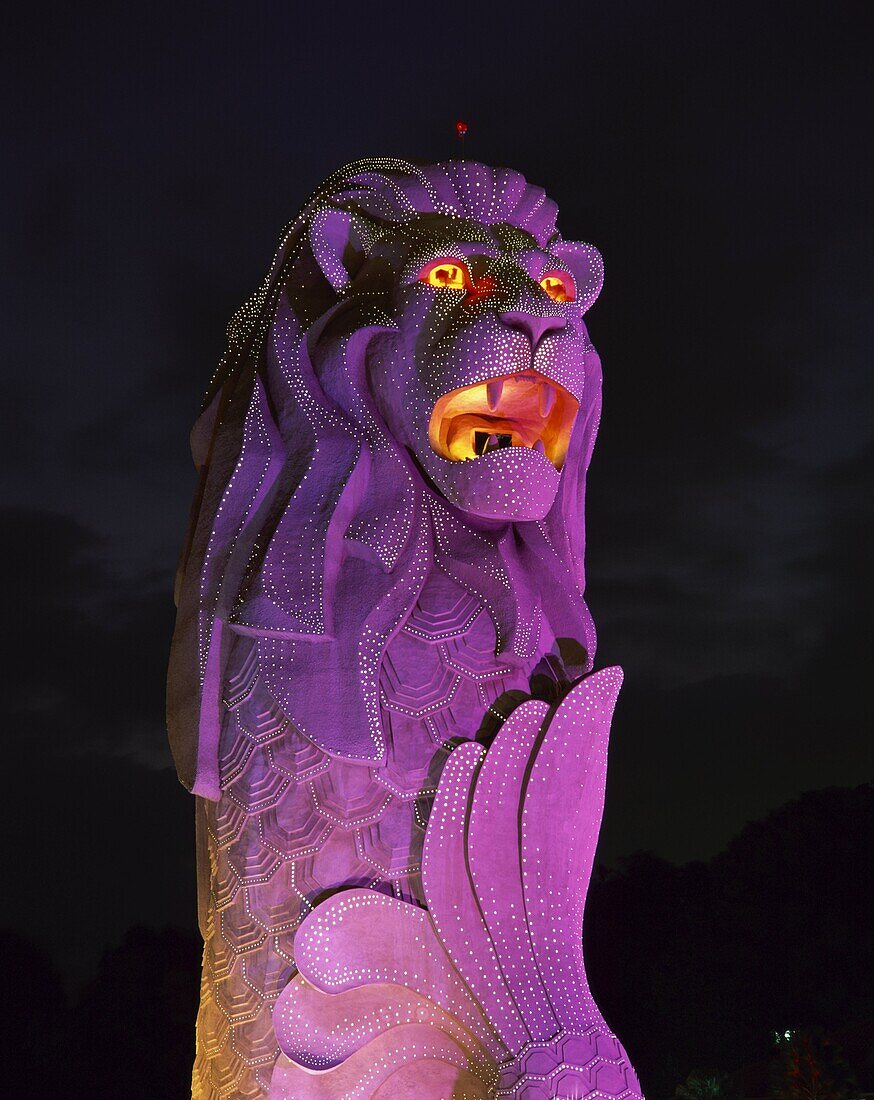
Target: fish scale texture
column 294, row 824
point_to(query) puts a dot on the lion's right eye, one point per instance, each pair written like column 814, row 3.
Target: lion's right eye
column 449, row 274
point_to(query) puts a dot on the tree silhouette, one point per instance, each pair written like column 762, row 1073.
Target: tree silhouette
column 134, row 1025
column 697, row 1086
column 34, row 1018
column 810, row 1066
column 701, row 964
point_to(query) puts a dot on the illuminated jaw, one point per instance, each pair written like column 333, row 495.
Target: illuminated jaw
column 523, row 410
column 497, row 446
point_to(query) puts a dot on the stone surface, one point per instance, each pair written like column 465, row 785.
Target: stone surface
column 356, row 606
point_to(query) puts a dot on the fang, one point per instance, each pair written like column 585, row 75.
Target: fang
column 494, row 390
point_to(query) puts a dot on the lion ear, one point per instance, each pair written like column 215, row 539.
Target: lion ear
column 338, row 240
column 587, row 268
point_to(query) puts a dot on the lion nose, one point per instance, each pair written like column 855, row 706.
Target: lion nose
column 534, row 327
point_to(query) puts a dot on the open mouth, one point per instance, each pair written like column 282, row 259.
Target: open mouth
column 517, row 410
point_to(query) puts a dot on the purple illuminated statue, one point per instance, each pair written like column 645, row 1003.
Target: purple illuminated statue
column 380, row 688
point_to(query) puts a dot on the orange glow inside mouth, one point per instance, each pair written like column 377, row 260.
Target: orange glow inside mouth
column 517, row 410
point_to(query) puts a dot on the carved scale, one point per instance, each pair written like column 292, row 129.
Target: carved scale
column 293, row 824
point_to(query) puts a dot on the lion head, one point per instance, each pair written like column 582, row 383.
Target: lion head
column 412, row 387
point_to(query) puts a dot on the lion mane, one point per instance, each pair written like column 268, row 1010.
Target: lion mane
column 312, row 529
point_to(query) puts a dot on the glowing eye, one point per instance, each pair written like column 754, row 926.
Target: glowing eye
column 559, row 286
column 446, row 273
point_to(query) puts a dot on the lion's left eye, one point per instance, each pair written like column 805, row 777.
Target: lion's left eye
column 446, row 273
column 559, row 286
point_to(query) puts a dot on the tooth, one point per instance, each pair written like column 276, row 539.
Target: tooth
column 538, row 446
column 494, row 391
column 491, row 443
column 547, row 399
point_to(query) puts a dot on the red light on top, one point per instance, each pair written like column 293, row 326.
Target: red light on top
column 461, row 128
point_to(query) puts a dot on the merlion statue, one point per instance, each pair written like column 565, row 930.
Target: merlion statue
column 381, row 686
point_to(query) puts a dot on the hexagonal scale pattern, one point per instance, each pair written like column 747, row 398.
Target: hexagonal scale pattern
column 295, row 825
column 224, row 820
column 259, row 717
column 225, row 1070
column 236, row 999
column 266, row 970
column 241, row 674
column 224, row 883
column 414, row 680
column 219, row 957
column 433, row 621
column 473, row 653
column 259, row 785
column 250, row 860
column 461, row 718
column 335, row 865
column 579, row 1050
column 347, row 794
column 213, row 1028
column 414, row 762
column 611, row 1079
column 249, row 1086
column 593, row 1063
column 296, row 756
column 540, row 1061
column 274, row 905
column 392, row 845
column 238, row 928
column 253, row 1039
column 235, row 751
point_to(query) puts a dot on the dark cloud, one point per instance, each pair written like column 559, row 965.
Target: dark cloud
column 86, row 672
column 98, row 827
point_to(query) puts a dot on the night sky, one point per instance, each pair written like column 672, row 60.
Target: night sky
column 716, row 154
